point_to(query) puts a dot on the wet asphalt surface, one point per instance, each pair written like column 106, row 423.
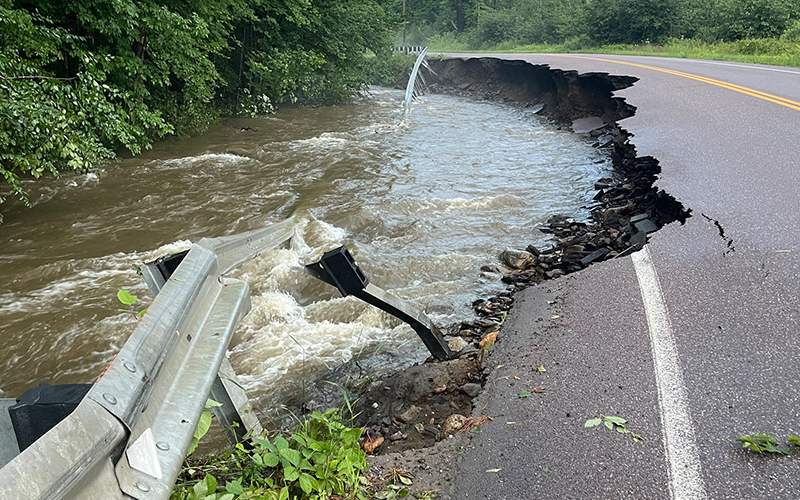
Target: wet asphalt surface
column 730, row 279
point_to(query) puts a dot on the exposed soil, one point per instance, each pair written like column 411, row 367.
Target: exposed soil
column 410, row 409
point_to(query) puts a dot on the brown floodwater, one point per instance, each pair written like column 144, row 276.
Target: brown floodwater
column 422, row 200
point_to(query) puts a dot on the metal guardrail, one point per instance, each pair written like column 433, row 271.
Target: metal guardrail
column 128, row 437
column 414, row 88
column 410, row 49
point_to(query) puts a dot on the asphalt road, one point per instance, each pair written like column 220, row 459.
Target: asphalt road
column 694, row 342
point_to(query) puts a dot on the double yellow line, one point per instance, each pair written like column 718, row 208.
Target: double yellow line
column 719, row 83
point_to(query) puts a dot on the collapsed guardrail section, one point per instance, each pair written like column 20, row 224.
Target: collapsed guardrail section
column 128, row 437
column 415, row 86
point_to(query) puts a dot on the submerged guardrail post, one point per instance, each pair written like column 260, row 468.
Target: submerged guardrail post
column 339, row 268
column 128, row 437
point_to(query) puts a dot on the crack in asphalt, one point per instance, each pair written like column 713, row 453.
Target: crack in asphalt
column 728, row 240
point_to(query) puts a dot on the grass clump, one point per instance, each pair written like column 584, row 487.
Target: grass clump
column 784, row 51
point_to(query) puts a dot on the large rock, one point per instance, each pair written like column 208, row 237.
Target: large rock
column 457, row 344
column 471, row 389
column 517, row 259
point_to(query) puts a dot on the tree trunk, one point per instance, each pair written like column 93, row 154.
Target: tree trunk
column 460, row 15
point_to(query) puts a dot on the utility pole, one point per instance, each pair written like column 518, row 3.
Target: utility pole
column 404, row 23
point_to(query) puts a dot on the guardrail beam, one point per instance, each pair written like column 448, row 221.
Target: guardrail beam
column 71, row 461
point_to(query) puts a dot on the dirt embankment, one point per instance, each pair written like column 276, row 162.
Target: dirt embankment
column 564, row 96
column 429, row 403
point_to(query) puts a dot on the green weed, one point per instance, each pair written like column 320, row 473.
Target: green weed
column 125, row 297
column 764, row 443
column 613, row 423
column 322, row 459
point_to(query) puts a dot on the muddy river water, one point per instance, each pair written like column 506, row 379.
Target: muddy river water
column 423, row 201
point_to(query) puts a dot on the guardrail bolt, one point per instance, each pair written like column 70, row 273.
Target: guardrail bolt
column 161, row 445
column 143, row 486
column 110, row 398
column 129, row 366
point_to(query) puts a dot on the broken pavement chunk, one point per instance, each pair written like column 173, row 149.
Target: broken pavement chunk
column 646, row 226
column 584, row 125
column 594, row 256
column 638, row 240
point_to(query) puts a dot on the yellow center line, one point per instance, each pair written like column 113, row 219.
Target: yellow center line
column 719, row 83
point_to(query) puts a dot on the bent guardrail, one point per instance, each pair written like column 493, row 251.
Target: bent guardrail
column 128, row 437
column 414, row 88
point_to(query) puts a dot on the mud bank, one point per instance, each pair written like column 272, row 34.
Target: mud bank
column 431, row 402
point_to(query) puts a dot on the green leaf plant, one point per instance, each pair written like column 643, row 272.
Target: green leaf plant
column 613, row 423
column 764, row 443
column 322, row 459
column 126, row 298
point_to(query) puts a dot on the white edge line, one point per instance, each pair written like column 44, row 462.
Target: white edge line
column 683, row 460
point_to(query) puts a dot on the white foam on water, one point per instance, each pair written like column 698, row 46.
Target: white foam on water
column 299, row 325
column 422, row 204
column 222, row 159
column 435, row 205
column 280, row 355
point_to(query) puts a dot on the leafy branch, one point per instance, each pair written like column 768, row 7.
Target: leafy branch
column 764, row 443
column 129, row 300
column 615, row 424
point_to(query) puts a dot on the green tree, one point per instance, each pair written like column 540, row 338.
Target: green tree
column 81, row 80
column 629, row 21
column 57, row 108
column 754, row 18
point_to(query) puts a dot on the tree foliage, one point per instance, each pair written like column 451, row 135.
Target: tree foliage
column 488, row 23
column 81, row 80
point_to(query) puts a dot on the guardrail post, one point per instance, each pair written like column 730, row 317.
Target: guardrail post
column 339, row 268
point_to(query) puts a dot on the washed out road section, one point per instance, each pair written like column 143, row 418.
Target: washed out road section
column 728, row 275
